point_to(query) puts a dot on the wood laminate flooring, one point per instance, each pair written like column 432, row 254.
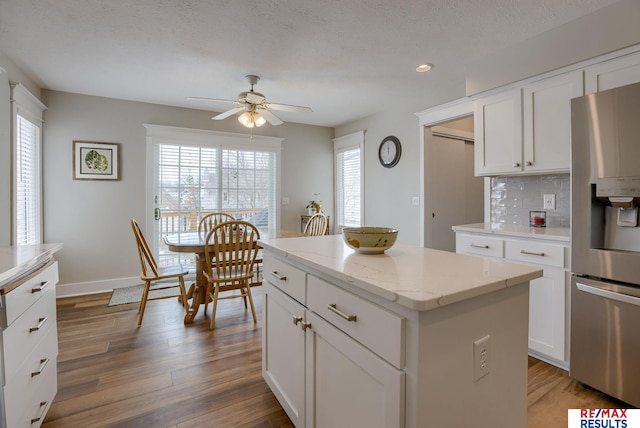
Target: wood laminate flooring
column 166, row 374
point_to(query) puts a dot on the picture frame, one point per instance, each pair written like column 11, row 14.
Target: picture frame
column 96, row 161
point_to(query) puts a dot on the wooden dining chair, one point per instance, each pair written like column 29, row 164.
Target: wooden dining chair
column 230, row 250
column 317, row 225
column 152, row 273
column 209, row 221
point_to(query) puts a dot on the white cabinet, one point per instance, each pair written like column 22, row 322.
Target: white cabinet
column 347, row 384
column 498, row 133
column 548, row 302
column 614, row 73
column 321, row 375
column 30, row 347
column 527, row 129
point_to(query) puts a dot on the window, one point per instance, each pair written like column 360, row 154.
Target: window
column 349, row 178
column 27, row 177
column 206, row 171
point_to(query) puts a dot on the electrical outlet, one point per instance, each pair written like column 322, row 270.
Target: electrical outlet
column 549, row 201
column 285, row 201
column 481, row 357
column 415, row 201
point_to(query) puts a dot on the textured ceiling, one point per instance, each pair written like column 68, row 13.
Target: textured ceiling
column 345, row 59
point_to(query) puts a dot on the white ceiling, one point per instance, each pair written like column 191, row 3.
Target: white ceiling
column 346, row 59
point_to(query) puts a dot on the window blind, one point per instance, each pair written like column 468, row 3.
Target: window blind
column 349, row 188
column 27, row 183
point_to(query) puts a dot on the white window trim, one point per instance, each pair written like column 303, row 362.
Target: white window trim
column 28, row 106
column 353, row 140
column 161, row 134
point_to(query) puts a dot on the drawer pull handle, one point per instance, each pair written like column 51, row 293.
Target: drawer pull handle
column 40, row 287
column 479, row 246
column 41, row 322
column 296, row 320
column 278, row 276
column 43, row 364
column 332, row 308
column 43, row 406
column 531, row 253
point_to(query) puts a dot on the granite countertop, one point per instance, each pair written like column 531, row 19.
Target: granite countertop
column 548, row 233
column 16, row 262
column 415, row 277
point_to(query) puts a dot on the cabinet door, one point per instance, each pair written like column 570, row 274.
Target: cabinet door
column 547, row 122
column 283, row 351
column 498, row 133
column 614, row 73
column 547, row 314
column 348, row 385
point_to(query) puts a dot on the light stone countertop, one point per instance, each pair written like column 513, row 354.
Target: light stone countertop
column 16, row 262
column 415, row 277
column 549, row 233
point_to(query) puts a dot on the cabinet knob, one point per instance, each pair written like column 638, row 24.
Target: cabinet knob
column 305, row 325
column 516, row 164
column 529, row 163
column 296, row 320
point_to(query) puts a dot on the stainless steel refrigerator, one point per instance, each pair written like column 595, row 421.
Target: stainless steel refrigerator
column 605, row 242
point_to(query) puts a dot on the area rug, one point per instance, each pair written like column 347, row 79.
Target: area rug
column 133, row 294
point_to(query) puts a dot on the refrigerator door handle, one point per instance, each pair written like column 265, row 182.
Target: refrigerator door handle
column 608, row 294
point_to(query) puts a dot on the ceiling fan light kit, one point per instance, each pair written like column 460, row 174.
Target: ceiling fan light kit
column 254, row 109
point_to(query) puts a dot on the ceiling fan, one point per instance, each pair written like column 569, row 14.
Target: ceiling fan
column 256, row 111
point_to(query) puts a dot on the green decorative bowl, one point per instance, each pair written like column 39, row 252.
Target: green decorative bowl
column 369, row 240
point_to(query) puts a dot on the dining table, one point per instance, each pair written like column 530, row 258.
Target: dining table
column 194, row 243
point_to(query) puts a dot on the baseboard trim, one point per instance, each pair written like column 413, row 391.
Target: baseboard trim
column 94, row 287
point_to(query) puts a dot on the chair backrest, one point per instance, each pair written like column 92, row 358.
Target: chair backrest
column 210, row 221
column 147, row 261
column 230, row 249
column 317, row 225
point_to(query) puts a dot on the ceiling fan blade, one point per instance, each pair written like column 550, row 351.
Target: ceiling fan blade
column 218, row 100
column 288, row 107
column 228, row 113
column 254, row 98
column 271, row 118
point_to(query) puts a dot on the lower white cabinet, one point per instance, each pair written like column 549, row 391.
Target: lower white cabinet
column 347, row 384
column 30, row 347
column 548, row 301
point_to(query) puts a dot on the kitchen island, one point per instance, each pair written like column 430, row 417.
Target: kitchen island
column 413, row 337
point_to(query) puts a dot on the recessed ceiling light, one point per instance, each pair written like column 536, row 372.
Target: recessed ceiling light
column 424, row 67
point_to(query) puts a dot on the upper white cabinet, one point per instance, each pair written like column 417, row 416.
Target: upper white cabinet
column 614, row 73
column 527, row 129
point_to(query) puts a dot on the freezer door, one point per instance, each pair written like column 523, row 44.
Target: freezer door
column 605, row 344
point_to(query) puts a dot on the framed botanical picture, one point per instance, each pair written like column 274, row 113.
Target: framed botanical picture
column 96, row 161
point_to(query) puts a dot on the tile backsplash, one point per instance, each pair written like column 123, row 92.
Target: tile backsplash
column 513, row 197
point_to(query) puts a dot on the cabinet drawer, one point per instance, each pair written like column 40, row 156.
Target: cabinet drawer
column 24, row 334
column 539, row 253
column 375, row 327
column 21, row 298
column 480, row 245
column 287, row 278
column 34, row 382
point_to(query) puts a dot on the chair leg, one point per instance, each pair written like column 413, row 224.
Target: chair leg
column 253, row 309
column 216, row 292
column 143, row 302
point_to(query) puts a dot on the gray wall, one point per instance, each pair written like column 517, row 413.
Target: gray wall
column 388, row 191
column 91, row 218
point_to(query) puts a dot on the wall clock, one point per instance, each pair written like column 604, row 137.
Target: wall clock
column 389, row 152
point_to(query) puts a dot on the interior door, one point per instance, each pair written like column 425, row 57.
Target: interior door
column 457, row 195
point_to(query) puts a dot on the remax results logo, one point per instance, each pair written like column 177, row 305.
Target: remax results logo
column 604, row 418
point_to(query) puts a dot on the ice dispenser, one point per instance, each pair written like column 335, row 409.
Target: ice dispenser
column 623, row 194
